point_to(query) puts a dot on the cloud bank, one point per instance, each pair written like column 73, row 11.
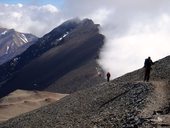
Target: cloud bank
column 134, row 29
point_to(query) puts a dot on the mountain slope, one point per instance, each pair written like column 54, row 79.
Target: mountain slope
column 160, row 72
column 13, row 43
column 119, row 104
column 53, row 58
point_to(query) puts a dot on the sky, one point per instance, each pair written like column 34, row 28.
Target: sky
column 133, row 29
column 34, row 2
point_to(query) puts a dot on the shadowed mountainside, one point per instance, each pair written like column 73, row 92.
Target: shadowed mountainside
column 57, row 62
column 120, row 103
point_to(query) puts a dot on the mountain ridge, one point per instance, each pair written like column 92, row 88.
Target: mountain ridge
column 13, row 43
column 52, row 58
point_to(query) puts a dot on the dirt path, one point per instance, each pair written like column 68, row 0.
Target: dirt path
column 157, row 102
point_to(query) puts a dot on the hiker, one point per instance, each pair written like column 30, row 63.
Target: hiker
column 108, row 76
column 147, row 65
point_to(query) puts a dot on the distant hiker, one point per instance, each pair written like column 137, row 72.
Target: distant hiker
column 108, row 76
column 147, row 65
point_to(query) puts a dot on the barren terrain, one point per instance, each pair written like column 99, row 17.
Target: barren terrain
column 22, row 101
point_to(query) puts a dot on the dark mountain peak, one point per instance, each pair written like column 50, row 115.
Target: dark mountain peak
column 67, row 27
column 13, row 43
column 61, row 30
column 68, row 52
column 77, row 21
column 87, row 21
column 12, row 30
column 2, row 30
column 72, row 21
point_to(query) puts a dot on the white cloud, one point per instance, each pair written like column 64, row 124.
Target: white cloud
column 16, row 15
column 100, row 15
column 50, row 8
column 127, row 52
column 20, row 5
column 37, row 20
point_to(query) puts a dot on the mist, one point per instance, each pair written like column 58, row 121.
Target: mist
column 126, row 51
column 132, row 34
column 133, row 29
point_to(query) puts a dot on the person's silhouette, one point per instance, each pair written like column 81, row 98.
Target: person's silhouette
column 108, row 76
column 147, row 65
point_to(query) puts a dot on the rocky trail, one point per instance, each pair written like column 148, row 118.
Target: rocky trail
column 156, row 113
column 124, row 105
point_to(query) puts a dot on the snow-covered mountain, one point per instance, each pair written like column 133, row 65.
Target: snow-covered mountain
column 13, row 43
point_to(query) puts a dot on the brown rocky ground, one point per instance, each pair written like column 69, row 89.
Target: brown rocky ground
column 21, row 101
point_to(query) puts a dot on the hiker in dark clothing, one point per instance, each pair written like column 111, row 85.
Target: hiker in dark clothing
column 108, row 76
column 147, row 65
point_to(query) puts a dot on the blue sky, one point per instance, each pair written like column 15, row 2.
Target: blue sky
column 57, row 3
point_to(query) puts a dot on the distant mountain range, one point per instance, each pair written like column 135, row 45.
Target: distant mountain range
column 13, row 43
column 64, row 60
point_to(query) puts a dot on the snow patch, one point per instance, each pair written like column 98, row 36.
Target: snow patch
column 3, row 33
column 63, row 36
column 7, row 49
column 23, row 38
